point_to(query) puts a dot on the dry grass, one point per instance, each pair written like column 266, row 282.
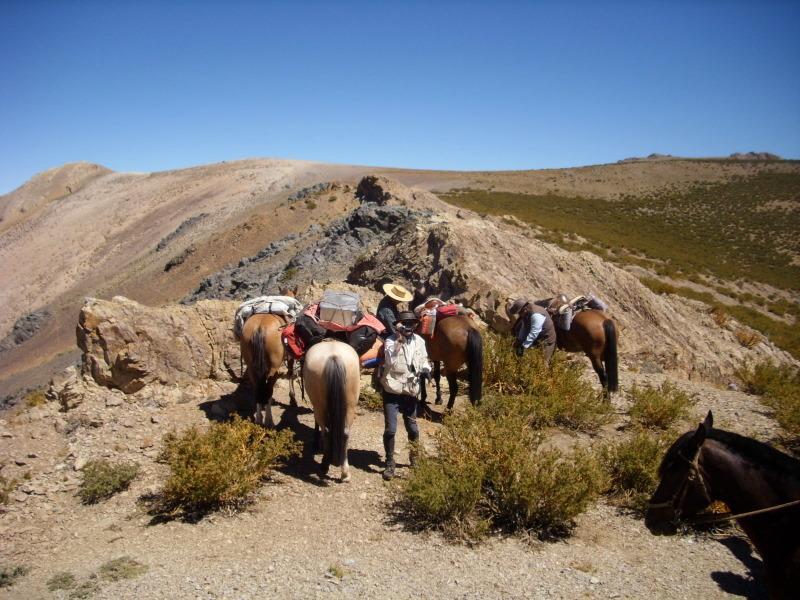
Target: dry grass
column 779, row 388
column 35, row 398
column 632, row 466
column 62, row 581
column 121, row 568
column 9, row 574
column 719, row 316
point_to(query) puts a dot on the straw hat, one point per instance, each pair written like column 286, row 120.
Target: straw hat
column 397, row 292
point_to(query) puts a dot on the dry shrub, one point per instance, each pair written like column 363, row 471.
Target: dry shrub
column 35, row 398
column 779, row 388
column 102, row 479
column 491, row 471
column 748, row 338
column 9, row 574
column 719, row 316
column 659, row 408
column 121, row 568
column 632, row 466
column 222, row 464
column 370, row 399
column 62, row 581
column 6, row 486
column 546, row 395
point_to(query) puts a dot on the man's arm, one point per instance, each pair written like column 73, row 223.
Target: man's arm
column 537, row 322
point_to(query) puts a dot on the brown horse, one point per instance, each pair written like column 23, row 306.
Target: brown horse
column 595, row 334
column 456, row 341
column 332, row 378
column 760, row 485
column 262, row 350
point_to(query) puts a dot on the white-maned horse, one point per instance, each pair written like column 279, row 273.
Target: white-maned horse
column 332, row 378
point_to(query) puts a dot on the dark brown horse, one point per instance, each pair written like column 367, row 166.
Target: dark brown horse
column 759, row 484
column 595, row 334
column 263, row 352
column 456, row 341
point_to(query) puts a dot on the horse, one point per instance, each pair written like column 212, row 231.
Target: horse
column 595, row 334
column 456, row 341
column 759, row 484
column 263, row 352
column 332, row 378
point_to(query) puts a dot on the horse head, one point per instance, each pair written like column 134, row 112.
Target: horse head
column 682, row 490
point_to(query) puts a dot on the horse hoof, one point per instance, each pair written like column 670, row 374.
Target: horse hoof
column 438, row 401
column 345, row 477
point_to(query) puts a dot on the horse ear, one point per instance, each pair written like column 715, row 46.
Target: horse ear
column 709, row 422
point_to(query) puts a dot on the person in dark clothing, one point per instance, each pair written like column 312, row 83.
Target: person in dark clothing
column 534, row 327
column 405, row 369
column 388, row 306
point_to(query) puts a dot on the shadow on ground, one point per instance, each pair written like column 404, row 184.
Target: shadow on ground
column 751, row 586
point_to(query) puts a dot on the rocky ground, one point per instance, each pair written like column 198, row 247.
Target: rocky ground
column 303, row 537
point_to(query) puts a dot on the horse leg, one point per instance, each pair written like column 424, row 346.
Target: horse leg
column 597, row 364
column 290, row 368
column 325, row 465
column 345, row 466
column 453, row 383
column 261, row 399
column 437, row 377
column 268, row 422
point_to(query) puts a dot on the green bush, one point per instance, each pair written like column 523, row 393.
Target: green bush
column 554, row 395
column 659, row 408
column 35, row 398
column 492, row 471
column 222, row 464
column 102, row 479
column 370, row 399
column 779, row 388
column 632, row 466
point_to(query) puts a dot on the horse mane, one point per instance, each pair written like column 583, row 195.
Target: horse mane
column 758, row 453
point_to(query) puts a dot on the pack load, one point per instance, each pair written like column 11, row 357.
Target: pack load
column 434, row 309
column 336, row 316
column 339, row 310
column 285, row 306
column 562, row 310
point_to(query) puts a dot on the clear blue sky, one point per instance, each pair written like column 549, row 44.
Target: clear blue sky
column 144, row 86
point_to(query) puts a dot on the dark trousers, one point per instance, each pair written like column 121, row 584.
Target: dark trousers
column 405, row 405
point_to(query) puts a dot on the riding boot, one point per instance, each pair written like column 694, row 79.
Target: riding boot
column 388, row 446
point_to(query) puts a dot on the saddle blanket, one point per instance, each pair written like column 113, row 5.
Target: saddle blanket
column 285, row 306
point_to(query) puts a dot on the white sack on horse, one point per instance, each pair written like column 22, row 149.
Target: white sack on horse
column 286, row 306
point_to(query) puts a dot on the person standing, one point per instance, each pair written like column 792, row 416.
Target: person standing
column 405, row 368
column 388, row 307
column 534, row 327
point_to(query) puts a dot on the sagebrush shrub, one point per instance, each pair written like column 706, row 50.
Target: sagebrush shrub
column 492, row 471
column 779, row 388
column 120, row 568
column 632, row 466
column 102, row 479
column 222, row 464
column 661, row 407
column 748, row 338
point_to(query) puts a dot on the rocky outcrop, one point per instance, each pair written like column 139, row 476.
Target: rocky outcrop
column 25, row 328
column 754, row 156
column 127, row 345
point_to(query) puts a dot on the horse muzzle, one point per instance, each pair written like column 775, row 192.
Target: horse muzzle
column 661, row 521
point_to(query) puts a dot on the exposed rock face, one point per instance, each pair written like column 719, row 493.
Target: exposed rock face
column 127, row 345
column 754, row 156
column 25, row 328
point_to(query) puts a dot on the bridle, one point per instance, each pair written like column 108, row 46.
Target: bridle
column 694, row 476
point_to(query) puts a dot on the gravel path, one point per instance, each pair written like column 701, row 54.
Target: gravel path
column 290, row 542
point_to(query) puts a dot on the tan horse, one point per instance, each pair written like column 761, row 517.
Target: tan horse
column 456, row 341
column 332, row 380
column 593, row 333
column 263, row 352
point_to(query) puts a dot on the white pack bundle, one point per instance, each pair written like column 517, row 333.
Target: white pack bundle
column 340, row 308
column 286, row 306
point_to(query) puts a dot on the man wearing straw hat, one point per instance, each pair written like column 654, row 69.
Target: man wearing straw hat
column 388, row 308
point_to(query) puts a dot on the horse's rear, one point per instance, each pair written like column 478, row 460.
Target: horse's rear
column 456, row 341
column 263, row 352
column 332, row 378
column 595, row 334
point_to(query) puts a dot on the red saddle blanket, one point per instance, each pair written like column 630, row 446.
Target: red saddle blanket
column 297, row 346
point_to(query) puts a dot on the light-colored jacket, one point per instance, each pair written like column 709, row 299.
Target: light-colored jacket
column 404, row 360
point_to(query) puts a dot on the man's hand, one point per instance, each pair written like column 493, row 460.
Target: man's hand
column 519, row 350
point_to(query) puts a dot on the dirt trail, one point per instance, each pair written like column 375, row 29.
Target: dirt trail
column 297, row 530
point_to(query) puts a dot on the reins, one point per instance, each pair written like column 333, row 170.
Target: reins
column 730, row 517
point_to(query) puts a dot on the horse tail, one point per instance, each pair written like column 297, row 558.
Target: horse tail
column 475, row 365
column 610, row 355
column 335, row 381
column 258, row 349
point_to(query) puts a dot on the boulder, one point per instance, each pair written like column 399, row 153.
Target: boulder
column 127, row 345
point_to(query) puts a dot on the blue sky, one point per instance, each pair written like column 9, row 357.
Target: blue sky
column 145, row 86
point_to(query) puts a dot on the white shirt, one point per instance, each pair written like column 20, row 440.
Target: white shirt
column 404, row 360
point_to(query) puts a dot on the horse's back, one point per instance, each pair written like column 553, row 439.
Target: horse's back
column 450, row 337
column 586, row 332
